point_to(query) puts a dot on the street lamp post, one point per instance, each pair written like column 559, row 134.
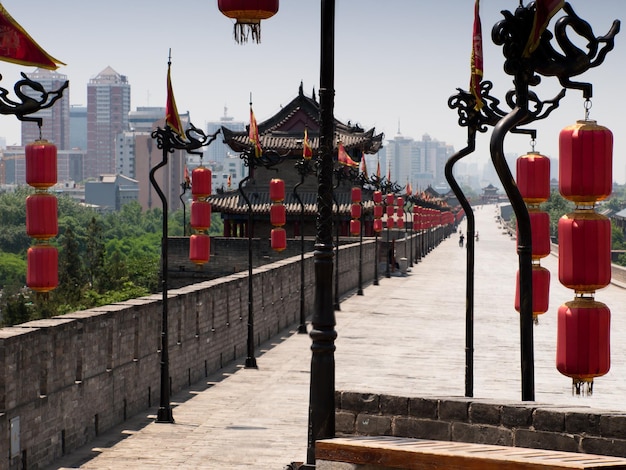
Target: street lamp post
column 168, row 141
column 323, row 334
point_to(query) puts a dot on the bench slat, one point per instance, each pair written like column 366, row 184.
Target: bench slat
column 420, row 454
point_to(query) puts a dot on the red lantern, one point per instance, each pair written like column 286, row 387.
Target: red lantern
column 277, row 190
column 377, row 197
column 533, row 177
column 41, row 164
column 378, row 225
column 378, row 212
column 541, row 290
column 585, row 162
column 416, row 222
column 389, row 199
column 278, row 215
column 584, row 251
column 248, row 15
column 390, row 222
column 278, row 239
column 400, row 201
column 199, row 248
column 400, row 223
column 355, row 227
column 540, row 233
column 41, row 216
column 400, row 211
column 201, row 215
column 201, row 182
column 355, row 194
column 355, row 211
column 583, row 342
column 42, row 268
column 390, row 210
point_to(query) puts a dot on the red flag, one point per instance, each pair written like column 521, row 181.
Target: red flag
column 378, row 169
column 477, row 58
column 187, row 179
column 229, row 182
column 307, row 150
column 18, row 47
column 343, row 157
column 253, row 135
column 363, row 165
column 388, row 171
column 409, row 189
column 172, row 119
column 544, row 11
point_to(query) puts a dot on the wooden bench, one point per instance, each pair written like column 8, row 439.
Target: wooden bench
column 419, row 454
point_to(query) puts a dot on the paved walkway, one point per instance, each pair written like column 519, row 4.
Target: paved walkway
column 404, row 337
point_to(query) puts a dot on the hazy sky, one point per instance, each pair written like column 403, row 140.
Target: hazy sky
column 396, row 62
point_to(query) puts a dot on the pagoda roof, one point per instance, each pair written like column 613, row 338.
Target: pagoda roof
column 284, row 131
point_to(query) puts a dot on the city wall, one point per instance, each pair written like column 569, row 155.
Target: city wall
column 66, row 379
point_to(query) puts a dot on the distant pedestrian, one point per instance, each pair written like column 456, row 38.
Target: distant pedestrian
column 461, row 240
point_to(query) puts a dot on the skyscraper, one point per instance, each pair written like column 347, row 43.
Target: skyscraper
column 108, row 105
column 55, row 119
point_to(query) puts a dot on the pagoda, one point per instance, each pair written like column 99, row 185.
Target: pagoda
column 283, row 134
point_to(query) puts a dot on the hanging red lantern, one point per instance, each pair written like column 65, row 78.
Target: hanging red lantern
column 248, row 15
column 355, row 227
column 533, row 177
column 400, row 201
column 201, row 182
column 355, row 194
column 41, row 216
column 400, row 223
column 583, row 342
column 389, row 199
column 199, row 248
column 378, row 212
column 277, row 190
column 42, row 268
column 355, row 211
column 278, row 215
column 540, row 233
column 585, row 162
column 416, row 222
column 41, row 164
column 378, row 225
column 390, row 210
column 201, row 215
column 584, row 251
column 278, row 239
column 390, row 222
column 541, row 290
column 400, row 211
column 377, row 197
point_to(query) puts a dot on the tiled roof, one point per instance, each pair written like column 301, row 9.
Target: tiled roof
column 232, row 203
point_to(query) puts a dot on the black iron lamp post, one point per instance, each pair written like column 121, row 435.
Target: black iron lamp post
column 323, row 334
column 267, row 159
column 168, row 141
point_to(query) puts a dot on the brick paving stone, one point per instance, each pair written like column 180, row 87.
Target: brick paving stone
column 404, row 337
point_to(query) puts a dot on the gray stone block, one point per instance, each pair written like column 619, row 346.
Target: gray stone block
column 484, row 413
column 546, row 419
column 603, row 446
column 394, row 405
column 360, row 402
column 423, row 407
column 421, row 428
column 546, row 440
column 517, row 416
column 451, row 410
column 482, row 434
column 373, row 425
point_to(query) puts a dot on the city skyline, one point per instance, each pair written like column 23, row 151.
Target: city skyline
column 395, row 65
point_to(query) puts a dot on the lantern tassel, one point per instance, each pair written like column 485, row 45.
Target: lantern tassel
column 242, row 31
column 582, row 387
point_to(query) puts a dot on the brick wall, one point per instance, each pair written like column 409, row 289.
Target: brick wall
column 517, row 424
column 68, row 378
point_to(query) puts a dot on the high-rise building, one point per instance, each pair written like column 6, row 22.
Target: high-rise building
column 78, row 127
column 55, row 119
column 108, row 105
column 217, row 152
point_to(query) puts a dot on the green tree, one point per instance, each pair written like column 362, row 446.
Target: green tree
column 71, row 269
column 556, row 207
column 95, row 254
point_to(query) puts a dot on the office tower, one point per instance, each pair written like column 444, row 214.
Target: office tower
column 108, row 105
column 78, row 127
column 55, row 119
column 217, row 152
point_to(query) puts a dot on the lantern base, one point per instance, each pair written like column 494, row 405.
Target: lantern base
column 582, row 387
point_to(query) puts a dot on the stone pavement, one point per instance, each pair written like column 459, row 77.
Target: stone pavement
column 404, row 337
